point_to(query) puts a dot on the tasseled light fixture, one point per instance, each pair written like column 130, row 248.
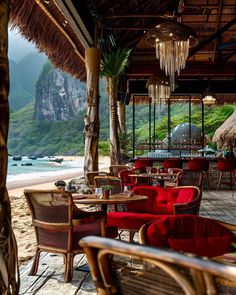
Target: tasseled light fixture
column 172, row 41
column 158, row 88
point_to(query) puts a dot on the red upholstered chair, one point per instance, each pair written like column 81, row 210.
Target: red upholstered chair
column 200, row 164
column 59, row 225
column 126, row 180
column 115, row 169
column 141, row 164
column 189, row 233
column 226, row 165
column 161, row 202
column 173, row 163
column 131, row 181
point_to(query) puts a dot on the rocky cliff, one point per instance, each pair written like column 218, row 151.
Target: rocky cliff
column 58, row 96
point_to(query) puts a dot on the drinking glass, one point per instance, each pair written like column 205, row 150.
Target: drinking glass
column 98, row 192
column 170, row 170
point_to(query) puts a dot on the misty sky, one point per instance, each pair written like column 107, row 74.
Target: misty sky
column 18, row 46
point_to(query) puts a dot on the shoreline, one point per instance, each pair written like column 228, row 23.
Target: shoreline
column 17, row 187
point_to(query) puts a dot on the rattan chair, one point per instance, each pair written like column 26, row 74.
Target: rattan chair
column 59, row 225
column 190, row 177
column 174, row 180
column 115, row 182
column 122, row 268
column 115, row 169
column 91, row 174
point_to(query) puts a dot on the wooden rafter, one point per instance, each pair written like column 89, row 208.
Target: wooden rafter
column 212, row 37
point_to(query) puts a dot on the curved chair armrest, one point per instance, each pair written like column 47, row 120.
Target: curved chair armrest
column 229, row 226
column 187, row 208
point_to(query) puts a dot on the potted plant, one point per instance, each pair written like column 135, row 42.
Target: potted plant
column 106, row 191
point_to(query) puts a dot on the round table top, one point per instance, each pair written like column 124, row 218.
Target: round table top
column 113, row 199
column 153, row 175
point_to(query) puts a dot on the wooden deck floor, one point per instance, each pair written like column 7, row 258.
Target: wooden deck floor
column 219, row 205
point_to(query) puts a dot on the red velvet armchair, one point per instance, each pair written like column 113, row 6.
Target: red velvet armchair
column 160, row 202
column 189, row 233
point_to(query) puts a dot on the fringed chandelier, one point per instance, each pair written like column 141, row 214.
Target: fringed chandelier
column 158, row 88
column 172, row 41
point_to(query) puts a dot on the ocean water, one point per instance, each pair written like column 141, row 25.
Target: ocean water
column 41, row 167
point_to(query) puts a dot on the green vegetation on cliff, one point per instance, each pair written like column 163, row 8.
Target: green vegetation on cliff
column 28, row 136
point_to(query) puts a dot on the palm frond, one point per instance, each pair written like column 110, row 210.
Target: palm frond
column 114, row 63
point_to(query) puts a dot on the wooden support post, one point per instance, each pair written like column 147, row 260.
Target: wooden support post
column 91, row 119
column 133, row 127
column 9, row 278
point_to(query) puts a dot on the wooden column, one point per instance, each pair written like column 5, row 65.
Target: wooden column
column 91, row 119
column 203, row 126
column 150, row 123
column 133, row 127
column 154, row 123
column 190, row 121
column 9, row 278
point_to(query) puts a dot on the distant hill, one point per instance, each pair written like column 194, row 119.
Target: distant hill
column 23, row 77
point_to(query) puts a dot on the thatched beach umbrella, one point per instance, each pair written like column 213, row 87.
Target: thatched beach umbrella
column 225, row 135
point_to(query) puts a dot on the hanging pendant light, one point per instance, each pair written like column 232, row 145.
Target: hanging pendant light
column 209, row 100
column 208, row 97
column 172, row 41
column 158, row 88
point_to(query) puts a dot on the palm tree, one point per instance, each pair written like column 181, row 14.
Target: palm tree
column 112, row 65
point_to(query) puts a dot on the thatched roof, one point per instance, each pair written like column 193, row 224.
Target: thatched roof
column 225, row 135
column 43, row 23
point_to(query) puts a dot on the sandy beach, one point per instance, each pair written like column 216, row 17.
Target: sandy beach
column 21, row 219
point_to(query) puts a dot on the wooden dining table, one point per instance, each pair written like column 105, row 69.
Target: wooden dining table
column 114, row 199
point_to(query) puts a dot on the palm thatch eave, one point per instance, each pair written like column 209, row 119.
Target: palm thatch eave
column 225, row 135
column 46, row 26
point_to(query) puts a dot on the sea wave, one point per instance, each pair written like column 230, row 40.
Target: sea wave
column 41, row 174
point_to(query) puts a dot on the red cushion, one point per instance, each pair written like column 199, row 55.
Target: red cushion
column 186, row 195
column 161, row 200
column 94, row 229
column 183, row 227
column 146, row 206
column 130, row 220
column 210, row 247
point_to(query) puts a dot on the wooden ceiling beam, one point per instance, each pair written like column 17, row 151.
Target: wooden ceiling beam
column 212, row 37
column 136, row 28
column 228, row 56
column 147, row 68
column 217, row 28
column 151, row 15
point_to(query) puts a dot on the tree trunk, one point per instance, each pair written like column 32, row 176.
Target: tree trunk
column 91, row 119
column 114, row 138
column 9, row 272
column 121, row 116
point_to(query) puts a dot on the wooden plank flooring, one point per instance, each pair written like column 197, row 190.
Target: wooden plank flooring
column 49, row 280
